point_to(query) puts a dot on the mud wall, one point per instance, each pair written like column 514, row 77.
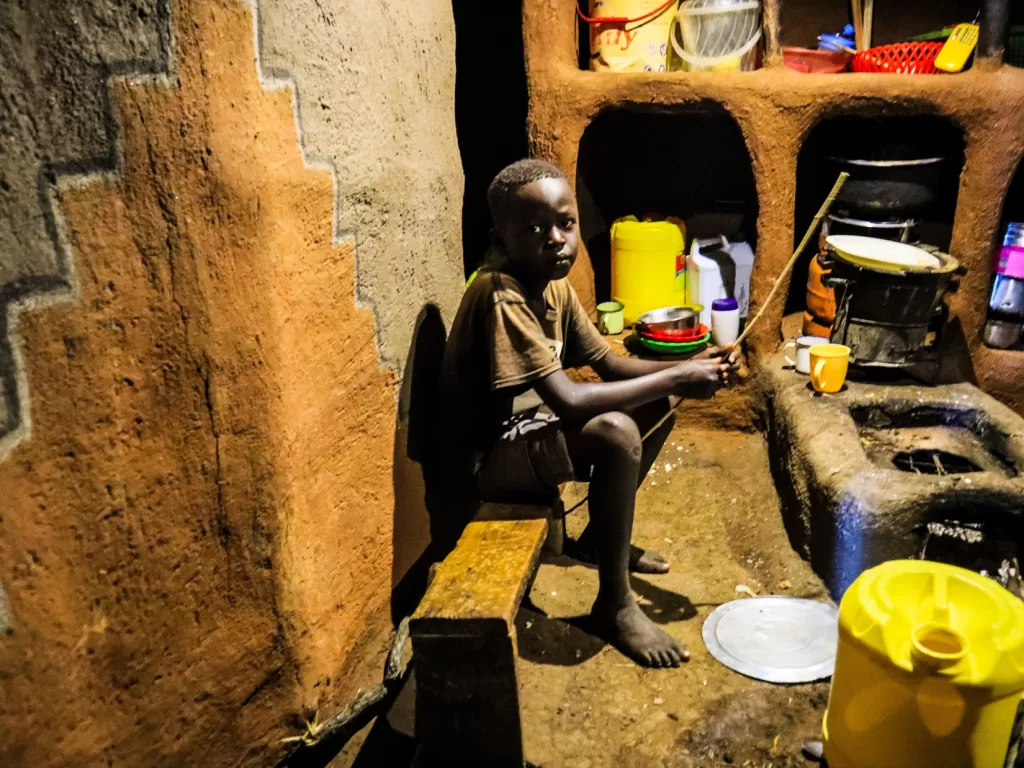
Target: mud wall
column 210, row 283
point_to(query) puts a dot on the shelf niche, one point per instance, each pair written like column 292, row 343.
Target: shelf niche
column 691, row 163
column 879, row 137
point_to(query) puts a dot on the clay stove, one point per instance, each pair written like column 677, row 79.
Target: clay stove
column 877, row 471
column 892, row 319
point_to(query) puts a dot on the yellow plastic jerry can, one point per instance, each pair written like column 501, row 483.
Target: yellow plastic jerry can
column 929, row 670
column 648, row 265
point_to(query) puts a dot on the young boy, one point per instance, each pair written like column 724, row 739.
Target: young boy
column 515, row 424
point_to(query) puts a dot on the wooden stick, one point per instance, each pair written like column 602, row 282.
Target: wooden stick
column 796, row 255
column 778, row 281
column 869, row 21
column 858, row 25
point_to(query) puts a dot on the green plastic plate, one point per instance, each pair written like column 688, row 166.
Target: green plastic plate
column 674, row 348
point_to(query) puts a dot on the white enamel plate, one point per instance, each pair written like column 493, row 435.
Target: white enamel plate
column 879, row 253
column 775, row 639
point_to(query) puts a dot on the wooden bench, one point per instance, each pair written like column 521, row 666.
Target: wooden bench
column 464, row 639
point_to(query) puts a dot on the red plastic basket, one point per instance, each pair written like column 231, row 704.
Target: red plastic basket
column 899, row 58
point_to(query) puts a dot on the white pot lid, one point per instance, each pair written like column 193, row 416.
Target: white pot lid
column 775, row 639
column 886, row 254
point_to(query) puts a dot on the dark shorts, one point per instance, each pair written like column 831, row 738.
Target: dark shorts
column 536, row 452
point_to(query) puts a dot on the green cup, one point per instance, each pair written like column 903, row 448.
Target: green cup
column 610, row 317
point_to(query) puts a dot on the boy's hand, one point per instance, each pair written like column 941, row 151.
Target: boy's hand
column 732, row 352
column 706, row 373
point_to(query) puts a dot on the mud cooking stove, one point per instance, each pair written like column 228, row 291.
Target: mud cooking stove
column 879, row 472
column 890, row 468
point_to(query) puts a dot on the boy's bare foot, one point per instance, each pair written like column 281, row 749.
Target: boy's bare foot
column 646, row 560
column 628, row 629
column 640, row 560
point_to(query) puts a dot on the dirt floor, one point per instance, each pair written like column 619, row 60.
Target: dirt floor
column 710, row 506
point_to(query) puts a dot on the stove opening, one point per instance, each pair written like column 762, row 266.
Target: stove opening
column 930, row 461
column 932, row 440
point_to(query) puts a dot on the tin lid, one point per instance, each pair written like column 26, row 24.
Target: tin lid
column 724, row 305
column 777, row 639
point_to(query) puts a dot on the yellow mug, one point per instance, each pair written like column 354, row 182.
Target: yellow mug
column 828, row 366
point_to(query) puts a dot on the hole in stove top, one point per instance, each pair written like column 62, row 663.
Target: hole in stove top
column 932, row 440
column 931, row 461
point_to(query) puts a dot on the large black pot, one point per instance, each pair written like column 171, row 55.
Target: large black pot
column 887, row 318
column 886, row 188
column 908, row 297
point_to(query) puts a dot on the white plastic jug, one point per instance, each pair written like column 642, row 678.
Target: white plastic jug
column 718, row 269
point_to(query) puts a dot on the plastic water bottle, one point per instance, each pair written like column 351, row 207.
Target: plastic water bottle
column 1006, row 303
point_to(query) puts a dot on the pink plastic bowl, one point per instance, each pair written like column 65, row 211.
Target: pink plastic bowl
column 809, row 60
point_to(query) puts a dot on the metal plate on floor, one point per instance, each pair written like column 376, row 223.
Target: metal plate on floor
column 775, row 639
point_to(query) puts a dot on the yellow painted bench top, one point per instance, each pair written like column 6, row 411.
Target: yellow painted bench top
column 478, row 587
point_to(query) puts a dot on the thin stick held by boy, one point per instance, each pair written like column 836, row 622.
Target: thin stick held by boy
column 515, row 426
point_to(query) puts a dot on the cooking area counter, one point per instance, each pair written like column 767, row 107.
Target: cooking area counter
column 863, row 473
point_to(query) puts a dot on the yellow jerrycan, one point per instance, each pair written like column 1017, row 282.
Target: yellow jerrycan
column 648, row 265
column 929, row 670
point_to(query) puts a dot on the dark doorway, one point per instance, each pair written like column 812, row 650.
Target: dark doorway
column 490, row 107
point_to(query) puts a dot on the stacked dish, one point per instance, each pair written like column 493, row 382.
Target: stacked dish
column 672, row 330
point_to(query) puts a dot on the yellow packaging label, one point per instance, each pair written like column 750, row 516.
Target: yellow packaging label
column 638, row 47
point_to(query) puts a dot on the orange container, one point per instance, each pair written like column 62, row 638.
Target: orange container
column 821, row 302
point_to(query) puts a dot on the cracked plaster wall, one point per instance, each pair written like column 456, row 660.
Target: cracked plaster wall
column 196, row 525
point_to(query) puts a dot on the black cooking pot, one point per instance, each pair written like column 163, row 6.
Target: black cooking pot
column 885, row 188
column 898, row 298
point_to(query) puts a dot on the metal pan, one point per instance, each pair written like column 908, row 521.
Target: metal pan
column 685, row 318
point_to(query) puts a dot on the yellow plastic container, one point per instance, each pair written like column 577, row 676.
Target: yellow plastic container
column 640, row 46
column 648, row 265
column 929, row 671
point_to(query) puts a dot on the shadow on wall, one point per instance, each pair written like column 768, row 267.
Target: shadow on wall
column 490, row 107
column 420, row 535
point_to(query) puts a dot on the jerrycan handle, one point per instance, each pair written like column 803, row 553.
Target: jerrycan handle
column 720, row 240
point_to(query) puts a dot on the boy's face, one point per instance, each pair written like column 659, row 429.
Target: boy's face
column 540, row 233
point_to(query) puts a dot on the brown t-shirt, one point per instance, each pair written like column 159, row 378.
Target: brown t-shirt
column 497, row 348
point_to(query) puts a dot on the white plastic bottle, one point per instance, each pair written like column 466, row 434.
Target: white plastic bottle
column 725, row 321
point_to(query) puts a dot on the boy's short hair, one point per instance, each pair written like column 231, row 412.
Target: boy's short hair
column 511, row 178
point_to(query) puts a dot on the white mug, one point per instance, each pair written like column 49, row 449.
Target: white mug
column 803, row 344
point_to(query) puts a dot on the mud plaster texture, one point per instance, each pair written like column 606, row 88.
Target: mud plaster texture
column 376, row 92
column 847, row 512
column 55, row 117
column 196, row 532
column 775, row 109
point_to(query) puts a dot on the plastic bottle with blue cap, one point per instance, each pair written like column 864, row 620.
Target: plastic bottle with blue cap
column 725, row 321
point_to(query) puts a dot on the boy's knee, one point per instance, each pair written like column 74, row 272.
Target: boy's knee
column 618, row 431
